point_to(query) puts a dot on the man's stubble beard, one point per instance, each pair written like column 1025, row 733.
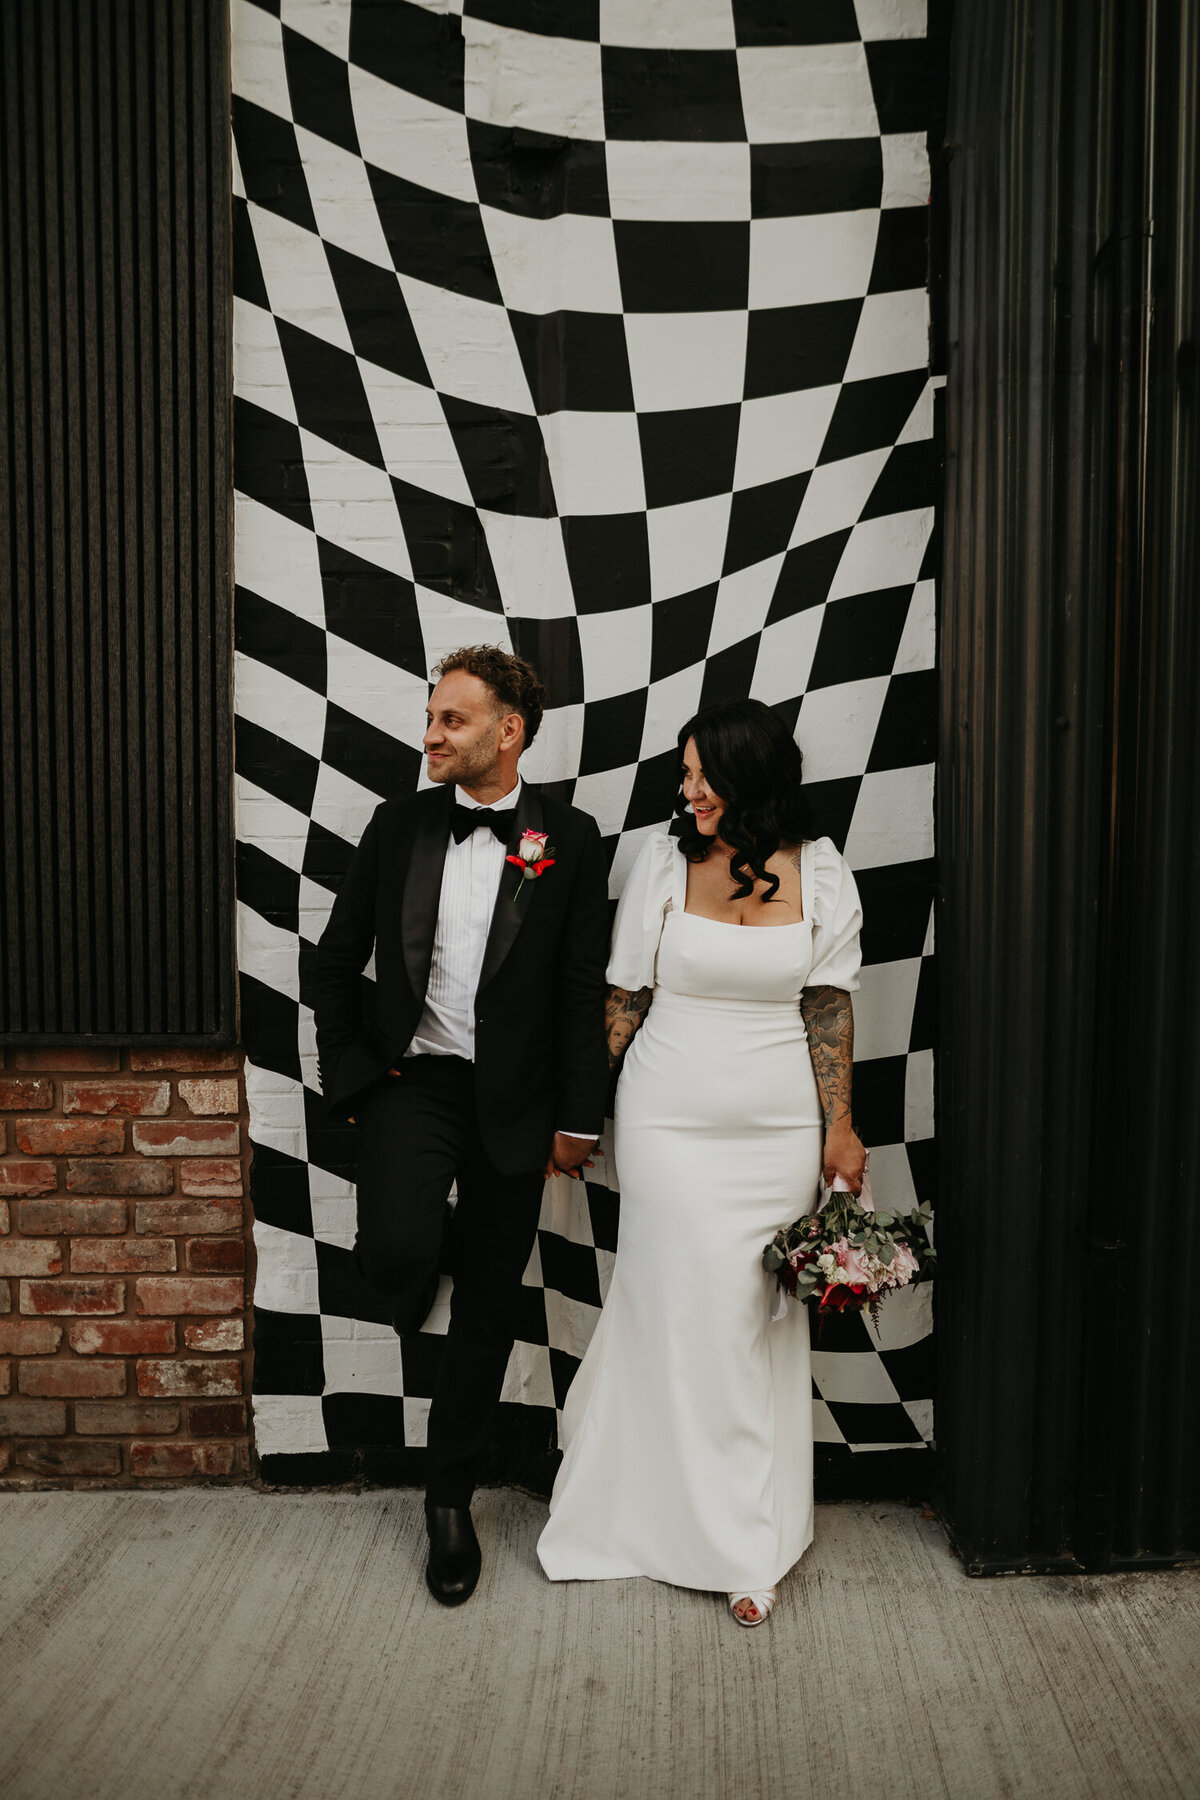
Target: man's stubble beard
column 465, row 768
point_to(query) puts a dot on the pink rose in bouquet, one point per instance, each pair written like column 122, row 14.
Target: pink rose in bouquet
column 905, row 1266
column 853, row 1262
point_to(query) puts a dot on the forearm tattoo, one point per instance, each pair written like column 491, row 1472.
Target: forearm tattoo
column 623, row 1013
column 829, row 1020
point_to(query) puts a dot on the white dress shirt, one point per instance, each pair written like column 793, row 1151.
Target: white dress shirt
column 471, row 877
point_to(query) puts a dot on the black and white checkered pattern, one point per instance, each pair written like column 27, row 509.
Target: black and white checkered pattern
column 596, row 329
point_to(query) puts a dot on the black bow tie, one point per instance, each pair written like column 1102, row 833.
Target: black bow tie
column 464, row 819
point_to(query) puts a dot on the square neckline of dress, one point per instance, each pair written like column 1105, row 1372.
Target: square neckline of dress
column 679, row 894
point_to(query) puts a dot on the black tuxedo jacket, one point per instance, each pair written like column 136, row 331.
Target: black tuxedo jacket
column 540, row 1055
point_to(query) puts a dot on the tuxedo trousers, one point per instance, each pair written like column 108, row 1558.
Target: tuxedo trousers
column 417, row 1134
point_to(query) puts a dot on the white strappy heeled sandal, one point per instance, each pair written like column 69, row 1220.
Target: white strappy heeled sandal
column 762, row 1599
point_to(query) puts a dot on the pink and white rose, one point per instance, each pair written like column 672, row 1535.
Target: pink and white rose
column 532, row 846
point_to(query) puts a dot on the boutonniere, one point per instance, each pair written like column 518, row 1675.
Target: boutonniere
column 531, row 858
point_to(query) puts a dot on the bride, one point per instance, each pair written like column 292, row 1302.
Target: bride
column 687, row 1432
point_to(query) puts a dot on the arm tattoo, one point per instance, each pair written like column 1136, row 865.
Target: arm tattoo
column 829, row 1020
column 623, row 1013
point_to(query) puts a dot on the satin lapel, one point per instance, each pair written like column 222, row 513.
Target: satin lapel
column 510, row 910
column 423, row 890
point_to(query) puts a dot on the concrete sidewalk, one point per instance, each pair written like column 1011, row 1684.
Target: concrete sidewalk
column 228, row 1643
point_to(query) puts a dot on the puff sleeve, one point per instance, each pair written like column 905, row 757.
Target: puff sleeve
column 837, row 920
column 640, row 912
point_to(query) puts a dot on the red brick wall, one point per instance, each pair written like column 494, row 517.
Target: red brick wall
column 123, row 1267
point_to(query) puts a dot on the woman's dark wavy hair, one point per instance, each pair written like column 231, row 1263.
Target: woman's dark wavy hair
column 752, row 762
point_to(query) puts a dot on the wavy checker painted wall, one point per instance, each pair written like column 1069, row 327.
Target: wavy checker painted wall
column 597, row 330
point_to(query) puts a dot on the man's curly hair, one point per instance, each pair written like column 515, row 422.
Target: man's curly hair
column 513, row 681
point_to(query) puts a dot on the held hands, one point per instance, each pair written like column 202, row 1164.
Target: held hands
column 844, row 1155
column 569, row 1156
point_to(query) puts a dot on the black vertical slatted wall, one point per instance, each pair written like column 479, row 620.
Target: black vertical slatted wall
column 1069, row 788
column 116, row 831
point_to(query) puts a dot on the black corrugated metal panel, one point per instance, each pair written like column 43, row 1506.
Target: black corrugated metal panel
column 116, row 900
column 1069, row 799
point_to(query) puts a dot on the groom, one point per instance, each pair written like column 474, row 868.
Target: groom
column 477, row 1057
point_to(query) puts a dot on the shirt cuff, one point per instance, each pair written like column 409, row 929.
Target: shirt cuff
column 589, row 1135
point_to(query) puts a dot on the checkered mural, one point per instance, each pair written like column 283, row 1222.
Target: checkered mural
column 596, row 329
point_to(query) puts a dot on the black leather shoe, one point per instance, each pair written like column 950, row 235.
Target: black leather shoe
column 455, row 1558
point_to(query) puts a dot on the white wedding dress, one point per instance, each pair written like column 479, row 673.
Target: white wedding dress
column 687, row 1432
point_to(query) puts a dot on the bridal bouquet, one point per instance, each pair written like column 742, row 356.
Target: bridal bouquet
column 845, row 1257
